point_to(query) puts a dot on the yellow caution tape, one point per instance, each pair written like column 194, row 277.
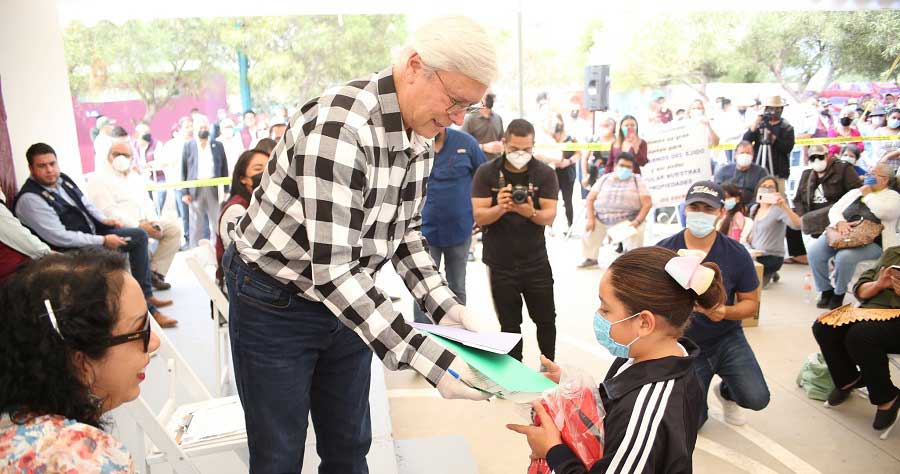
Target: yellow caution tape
column 721, row 146
column 197, row 183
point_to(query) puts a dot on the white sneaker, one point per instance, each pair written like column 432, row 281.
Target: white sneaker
column 734, row 414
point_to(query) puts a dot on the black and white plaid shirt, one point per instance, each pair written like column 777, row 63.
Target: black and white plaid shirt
column 343, row 195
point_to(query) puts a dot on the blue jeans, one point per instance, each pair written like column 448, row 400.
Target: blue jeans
column 292, row 358
column 456, row 258
column 184, row 213
column 845, row 261
column 742, row 379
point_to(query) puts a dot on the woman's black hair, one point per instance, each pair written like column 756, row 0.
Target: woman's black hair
column 240, row 171
column 627, row 156
column 730, row 189
column 38, row 375
column 266, row 145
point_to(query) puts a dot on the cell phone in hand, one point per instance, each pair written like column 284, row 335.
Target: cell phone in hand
column 126, row 239
column 767, row 198
column 895, row 269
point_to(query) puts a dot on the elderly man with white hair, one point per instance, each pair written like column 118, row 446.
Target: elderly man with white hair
column 202, row 158
column 341, row 197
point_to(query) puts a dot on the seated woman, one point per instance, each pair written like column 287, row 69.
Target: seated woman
column 246, row 177
column 771, row 217
column 642, row 325
column 875, row 202
column 856, row 353
column 615, row 198
column 76, row 339
column 850, row 154
column 735, row 224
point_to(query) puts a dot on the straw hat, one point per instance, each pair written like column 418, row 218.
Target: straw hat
column 775, row 101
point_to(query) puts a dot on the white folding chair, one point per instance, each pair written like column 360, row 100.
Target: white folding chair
column 161, row 428
column 202, row 262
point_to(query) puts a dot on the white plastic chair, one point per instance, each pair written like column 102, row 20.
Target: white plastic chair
column 202, row 262
column 161, row 428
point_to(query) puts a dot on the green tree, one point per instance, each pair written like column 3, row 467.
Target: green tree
column 867, row 47
column 157, row 59
column 692, row 48
column 294, row 58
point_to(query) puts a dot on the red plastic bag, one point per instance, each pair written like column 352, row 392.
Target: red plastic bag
column 578, row 413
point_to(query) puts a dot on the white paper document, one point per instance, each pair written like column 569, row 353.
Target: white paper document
column 496, row 342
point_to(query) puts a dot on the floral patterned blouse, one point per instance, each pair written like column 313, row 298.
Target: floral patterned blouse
column 52, row 444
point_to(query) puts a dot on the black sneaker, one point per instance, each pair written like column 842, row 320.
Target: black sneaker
column 840, row 395
column 836, row 302
column 776, row 277
column 825, row 299
column 587, row 263
column 884, row 419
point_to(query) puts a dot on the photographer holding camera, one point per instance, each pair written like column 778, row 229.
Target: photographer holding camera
column 513, row 198
column 773, row 138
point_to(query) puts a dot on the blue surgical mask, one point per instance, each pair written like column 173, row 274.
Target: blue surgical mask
column 624, row 173
column 893, row 123
column 601, row 332
column 870, row 180
column 730, row 203
column 700, row 224
column 626, row 128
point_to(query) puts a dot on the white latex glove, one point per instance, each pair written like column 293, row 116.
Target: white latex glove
column 452, row 388
column 460, row 317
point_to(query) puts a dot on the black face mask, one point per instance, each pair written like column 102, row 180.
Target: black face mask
column 489, row 101
column 256, row 179
column 573, row 114
column 742, row 111
column 846, row 121
column 146, row 137
column 825, row 112
column 203, row 134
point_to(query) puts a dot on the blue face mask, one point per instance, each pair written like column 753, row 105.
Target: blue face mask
column 700, row 224
column 624, row 173
column 893, row 123
column 730, row 203
column 625, row 131
column 870, row 180
column 601, row 332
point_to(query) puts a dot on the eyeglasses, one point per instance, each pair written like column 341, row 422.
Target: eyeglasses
column 457, row 105
column 816, row 157
column 143, row 335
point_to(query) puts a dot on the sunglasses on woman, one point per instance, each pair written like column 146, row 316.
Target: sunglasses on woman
column 143, row 335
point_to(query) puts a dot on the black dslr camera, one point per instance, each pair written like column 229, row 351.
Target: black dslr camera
column 520, row 194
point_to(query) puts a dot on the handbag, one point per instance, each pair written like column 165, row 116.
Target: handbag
column 862, row 232
column 815, row 222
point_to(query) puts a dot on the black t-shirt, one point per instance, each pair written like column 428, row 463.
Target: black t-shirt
column 515, row 241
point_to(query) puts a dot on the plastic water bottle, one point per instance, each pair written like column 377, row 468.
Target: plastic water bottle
column 807, row 288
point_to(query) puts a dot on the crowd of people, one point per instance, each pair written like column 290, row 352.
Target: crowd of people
column 319, row 202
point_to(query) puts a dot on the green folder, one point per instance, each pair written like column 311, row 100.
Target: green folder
column 501, row 369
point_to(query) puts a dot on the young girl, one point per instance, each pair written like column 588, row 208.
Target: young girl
column 735, row 224
column 652, row 398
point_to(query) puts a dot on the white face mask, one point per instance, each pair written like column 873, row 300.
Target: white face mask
column 819, row 165
column 744, row 160
column 878, row 121
column 121, row 164
column 849, row 159
column 518, row 159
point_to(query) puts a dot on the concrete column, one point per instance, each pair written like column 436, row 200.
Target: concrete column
column 35, row 83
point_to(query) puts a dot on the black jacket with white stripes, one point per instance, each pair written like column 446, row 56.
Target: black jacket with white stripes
column 652, row 418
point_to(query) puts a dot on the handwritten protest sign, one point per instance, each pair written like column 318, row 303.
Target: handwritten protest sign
column 678, row 155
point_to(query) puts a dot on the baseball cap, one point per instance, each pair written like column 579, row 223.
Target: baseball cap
column 706, row 192
column 819, row 150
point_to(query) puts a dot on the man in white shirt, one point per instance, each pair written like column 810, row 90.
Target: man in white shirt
column 121, row 194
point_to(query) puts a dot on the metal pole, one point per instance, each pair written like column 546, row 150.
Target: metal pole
column 521, row 78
